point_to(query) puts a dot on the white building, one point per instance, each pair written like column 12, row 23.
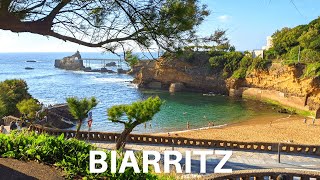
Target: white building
column 269, row 43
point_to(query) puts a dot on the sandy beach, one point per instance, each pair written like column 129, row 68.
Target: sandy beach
column 282, row 128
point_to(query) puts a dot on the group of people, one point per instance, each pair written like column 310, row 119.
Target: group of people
column 14, row 125
column 313, row 121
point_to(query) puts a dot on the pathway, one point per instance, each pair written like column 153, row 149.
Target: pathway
column 240, row 160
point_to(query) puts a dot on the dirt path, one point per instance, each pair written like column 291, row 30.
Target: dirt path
column 12, row 169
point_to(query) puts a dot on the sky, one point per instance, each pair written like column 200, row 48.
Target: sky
column 248, row 23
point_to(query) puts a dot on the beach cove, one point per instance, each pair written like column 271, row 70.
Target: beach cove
column 52, row 86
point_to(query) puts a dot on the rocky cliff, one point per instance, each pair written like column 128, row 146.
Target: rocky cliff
column 281, row 83
column 73, row 62
column 195, row 76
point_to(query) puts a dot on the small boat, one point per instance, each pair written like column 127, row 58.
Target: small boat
column 28, row 68
column 31, row 61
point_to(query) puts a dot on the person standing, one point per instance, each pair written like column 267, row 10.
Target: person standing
column 13, row 125
column 3, row 130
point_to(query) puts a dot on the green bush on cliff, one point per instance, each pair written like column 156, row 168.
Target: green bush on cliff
column 259, row 64
column 312, row 70
column 288, row 41
column 71, row 155
column 226, row 62
column 131, row 59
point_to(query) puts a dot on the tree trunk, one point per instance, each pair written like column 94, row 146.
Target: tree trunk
column 78, row 129
column 121, row 141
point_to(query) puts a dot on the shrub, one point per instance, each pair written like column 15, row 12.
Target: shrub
column 131, row 59
column 240, row 73
column 12, row 92
column 312, row 70
column 260, row 64
column 71, row 155
column 310, row 56
column 29, row 107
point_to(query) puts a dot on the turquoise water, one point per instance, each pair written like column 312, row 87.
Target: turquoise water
column 51, row 85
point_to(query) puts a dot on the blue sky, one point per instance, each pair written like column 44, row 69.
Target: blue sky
column 248, row 23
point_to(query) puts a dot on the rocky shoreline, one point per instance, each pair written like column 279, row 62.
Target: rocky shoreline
column 279, row 84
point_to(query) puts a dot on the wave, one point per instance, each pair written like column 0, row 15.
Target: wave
column 112, row 79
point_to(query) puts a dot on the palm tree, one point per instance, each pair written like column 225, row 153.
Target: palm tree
column 79, row 108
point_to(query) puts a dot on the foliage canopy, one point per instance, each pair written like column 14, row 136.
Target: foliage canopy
column 136, row 113
column 79, row 108
column 11, row 93
column 29, row 107
column 107, row 24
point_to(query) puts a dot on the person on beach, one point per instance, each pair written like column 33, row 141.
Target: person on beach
column 18, row 125
column 313, row 121
column 305, row 120
column 3, row 130
column 188, row 125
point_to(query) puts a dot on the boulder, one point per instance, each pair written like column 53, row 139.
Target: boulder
column 122, row 71
column 110, row 64
column 176, row 87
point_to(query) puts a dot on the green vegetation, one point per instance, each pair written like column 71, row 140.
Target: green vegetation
column 28, row 108
column 136, row 113
column 11, row 93
column 288, row 41
column 71, row 155
column 312, row 70
column 131, row 59
column 79, row 108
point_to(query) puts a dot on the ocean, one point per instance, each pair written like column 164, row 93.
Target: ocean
column 51, row 86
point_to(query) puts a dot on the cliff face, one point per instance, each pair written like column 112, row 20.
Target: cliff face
column 193, row 76
column 73, row 62
column 281, row 83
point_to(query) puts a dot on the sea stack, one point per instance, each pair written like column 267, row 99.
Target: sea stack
column 73, row 62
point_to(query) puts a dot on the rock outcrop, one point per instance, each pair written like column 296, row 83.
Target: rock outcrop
column 176, row 87
column 73, row 62
column 280, row 83
column 110, row 64
column 196, row 76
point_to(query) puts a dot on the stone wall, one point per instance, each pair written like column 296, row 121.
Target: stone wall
column 273, row 95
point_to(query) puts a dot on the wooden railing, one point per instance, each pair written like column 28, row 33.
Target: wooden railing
column 180, row 141
column 267, row 174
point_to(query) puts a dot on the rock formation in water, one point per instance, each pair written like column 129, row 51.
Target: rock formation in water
column 280, row 83
column 73, row 62
column 110, row 64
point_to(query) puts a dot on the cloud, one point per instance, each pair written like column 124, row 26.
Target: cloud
column 224, row 18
